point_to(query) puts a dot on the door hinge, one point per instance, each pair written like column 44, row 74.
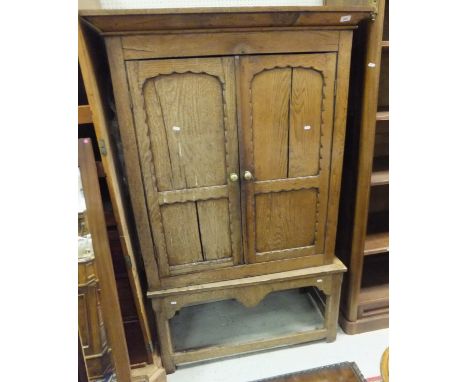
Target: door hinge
column 102, row 147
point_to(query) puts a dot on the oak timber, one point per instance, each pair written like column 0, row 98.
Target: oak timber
column 84, row 114
column 105, row 271
column 376, row 243
column 152, row 20
column 233, row 126
column 100, row 121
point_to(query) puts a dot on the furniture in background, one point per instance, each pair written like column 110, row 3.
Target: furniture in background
column 363, row 229
column 109, row 301
column 82, row 370
column 232, row 123
column 94, row 118
column 91, row 326
column 99, row 115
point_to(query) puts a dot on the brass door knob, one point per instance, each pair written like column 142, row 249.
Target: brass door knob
column 233, row 177
column 248, row 175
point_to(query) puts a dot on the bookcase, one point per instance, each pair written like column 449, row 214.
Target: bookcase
column 363, row 230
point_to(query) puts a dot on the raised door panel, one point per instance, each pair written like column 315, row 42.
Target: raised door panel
column 287, row 125
column 185, row 122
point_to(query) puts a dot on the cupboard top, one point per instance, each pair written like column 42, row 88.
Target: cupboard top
column 118, row 21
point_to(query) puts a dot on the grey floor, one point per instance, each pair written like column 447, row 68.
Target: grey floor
column 279, row 313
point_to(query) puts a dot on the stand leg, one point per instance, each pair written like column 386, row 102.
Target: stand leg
column 332, row 307
column 164, row 335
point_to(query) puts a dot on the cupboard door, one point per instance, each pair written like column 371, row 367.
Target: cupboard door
column 287, row 124
column 185, row 122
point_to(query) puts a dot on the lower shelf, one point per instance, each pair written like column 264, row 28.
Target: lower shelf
column 223, row 322
column 373, row 301
column 363, row 325
column 376, row 243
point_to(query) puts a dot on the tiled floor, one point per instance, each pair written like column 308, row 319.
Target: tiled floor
column 364, row 349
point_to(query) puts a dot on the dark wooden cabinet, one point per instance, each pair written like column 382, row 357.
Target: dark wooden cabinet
column 233, row 123
column 363, row 240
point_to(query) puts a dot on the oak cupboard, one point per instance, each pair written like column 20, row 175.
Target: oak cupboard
column 232, row 123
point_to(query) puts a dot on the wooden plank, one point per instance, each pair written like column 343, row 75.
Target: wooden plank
column 225, row 350
column 339, row 134
column 147, row 156
column 240, row 271
column 385, row 44
column 373, row 300
column 193, row 194
column 266, row 131
column 195, row 140
column 379, row 178
column 200, row 267
column 84, row 114
column 164, row 336
column 376, row 243
column 271, row 90
column 232, row 43
column 104, row 267
column 181, row 231
column 119, row 206
column 138, row 21
column 276, row 185
column 332, row 307
column 285, row 220
column 130, row 148
column 213, row 216
column 150, row 373
column 314, row 271
column 286, row 253
column 186, row 128
column 305, row 119
column 82, row 369
column 365, row 324
column 365, row 159
column 382, row 116
column 94, row 7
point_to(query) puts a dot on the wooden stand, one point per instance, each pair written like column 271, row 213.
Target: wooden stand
column 248, row 291
column 363, row 237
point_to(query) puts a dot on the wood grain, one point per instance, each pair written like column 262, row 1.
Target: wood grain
column 84, row 115
column 249, row 291
column 305, row 119
column 376, row 243
column 97, row 227
column 132, row 163
column 228, row 43
column 364, row 168
column 87, row 56
column 181, row 233
column 138, row 21
column 271, row 140
column 339, row 134
column 285, row 220
column 186, row 129
column 194, row 140
column 213, row 216
column 271, row 91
